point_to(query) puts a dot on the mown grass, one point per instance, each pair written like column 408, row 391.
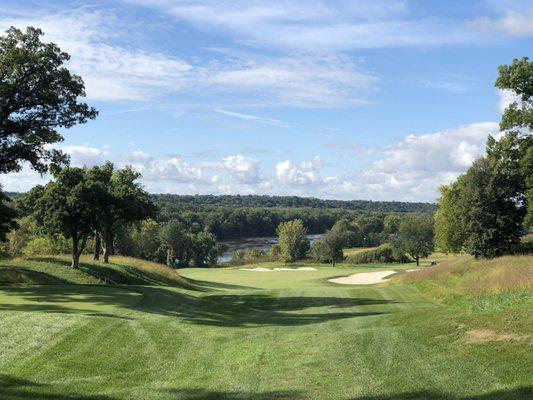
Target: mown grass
column 258, row 335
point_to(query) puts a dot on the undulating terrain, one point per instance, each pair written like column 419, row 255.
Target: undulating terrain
column 138, row 330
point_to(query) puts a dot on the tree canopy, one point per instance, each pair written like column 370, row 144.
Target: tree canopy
column 38, row 95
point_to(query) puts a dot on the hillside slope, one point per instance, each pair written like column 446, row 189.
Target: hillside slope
column 120, row 271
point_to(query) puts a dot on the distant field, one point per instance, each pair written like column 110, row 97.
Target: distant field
column 141, row 331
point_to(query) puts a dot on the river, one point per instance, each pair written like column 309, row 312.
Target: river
column 245, row 243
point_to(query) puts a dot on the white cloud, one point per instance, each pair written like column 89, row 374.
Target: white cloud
column 114, row 73
column 512, row 23
column 85, row 155
column 451, row 150
column 506, row 98
column 305, row 173
column 172, row 169
column 243, row 169
column 314, row 25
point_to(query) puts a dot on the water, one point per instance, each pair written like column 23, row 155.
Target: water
column 245, row 243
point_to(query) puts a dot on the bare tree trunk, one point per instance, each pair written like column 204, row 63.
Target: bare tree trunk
column 75, row 254
column 417, row 258
column 97, row 246
column 107, row 248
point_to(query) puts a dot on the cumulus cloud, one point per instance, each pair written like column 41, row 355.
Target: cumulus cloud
column 243, row 169
column 445, row 151
column 305, row 173
column 173, row 169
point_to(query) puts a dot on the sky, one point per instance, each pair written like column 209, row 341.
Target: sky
column 361, row 99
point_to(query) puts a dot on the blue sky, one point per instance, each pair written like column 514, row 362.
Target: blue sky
column 381, row 99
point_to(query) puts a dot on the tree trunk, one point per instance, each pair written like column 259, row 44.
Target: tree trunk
column 107, row 245
column 97, row 246
column 75, row 254
column 417, row 258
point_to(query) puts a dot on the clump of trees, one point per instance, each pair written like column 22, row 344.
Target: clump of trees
column 329, row 249
column 487, row 209
column 81, row 203
column 293, row 240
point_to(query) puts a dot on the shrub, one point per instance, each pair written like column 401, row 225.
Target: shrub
column 386, row 253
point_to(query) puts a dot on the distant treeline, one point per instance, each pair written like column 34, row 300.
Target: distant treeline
column 294, row 202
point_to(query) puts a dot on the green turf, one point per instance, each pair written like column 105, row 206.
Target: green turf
column 253, row 335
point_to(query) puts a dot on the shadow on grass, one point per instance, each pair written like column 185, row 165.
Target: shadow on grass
column 57, row 299
column 252, row 310
column 10, row 274
column 248, row 310
column 13, row 388
column 115, row 274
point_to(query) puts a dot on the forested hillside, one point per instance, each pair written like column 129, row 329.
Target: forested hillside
column 292, row 201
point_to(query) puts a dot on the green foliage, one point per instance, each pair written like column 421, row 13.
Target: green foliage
column 38, row 96
column 320, row 252
column 293, row 241
column 493, row 218
column 68, row 206
column 7, row 216
column 518, row 78
column 385, row 253
column 249, row 255
column 274, row 252
column 124, row 201
column 45, row 245
column 334, row 240
column 415, row 236
column 450, row 234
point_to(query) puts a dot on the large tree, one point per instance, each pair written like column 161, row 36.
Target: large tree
column 124, row 202
column 38, row 95
column 68, row 206
column 7, row 216
column 415, row 236
column 492, row 214
column 335, row 241
column 513, row 154
column 293, row 241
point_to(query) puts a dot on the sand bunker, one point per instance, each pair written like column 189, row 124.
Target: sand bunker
column 363, row 278
column 263, row 269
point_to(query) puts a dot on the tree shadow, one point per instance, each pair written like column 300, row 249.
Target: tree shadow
column 204, row 286
column 252, row 310
column 55, row 298
column 114, row 273
column 520, row 393
column 10, row 274
column 14, row 388
column 201, row 394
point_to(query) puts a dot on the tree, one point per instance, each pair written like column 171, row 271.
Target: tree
column 415, row 236
column 124, row 202
column 329, row 249
column 450, row 235
column 172, row 236
column 292, row 240
column 492, row 215
column 38, row 95
column 517, row 78
column 7, row 216
column 68, row 206
column 517, row 123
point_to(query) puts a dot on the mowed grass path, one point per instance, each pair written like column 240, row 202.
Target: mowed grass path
column 249, row 335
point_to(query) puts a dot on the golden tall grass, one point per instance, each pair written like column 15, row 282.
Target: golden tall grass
column 464, row 274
